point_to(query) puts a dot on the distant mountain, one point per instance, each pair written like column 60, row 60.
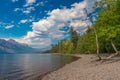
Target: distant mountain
column 12, row 46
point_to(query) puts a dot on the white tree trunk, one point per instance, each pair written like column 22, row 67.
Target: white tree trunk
column 115, row 49
column 97, row 44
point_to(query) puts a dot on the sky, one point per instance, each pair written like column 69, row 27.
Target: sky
column 42, row 23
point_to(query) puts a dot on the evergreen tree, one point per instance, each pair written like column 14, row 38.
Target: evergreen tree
column 74, row 37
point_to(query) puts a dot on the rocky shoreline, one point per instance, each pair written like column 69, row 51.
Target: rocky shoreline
column 86, row 68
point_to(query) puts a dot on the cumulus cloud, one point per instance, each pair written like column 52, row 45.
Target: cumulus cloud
column 35, row 40
column 45, row 31
column 9, row 26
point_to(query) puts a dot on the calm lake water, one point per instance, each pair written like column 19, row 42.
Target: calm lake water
column 29, row 66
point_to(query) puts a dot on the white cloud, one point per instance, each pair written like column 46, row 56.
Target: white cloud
column 23, row 21
column 9, row 26
column 29, row 2
column 31, row 20
column 46, row 30
column 26, row 20
column 28, row 10
column 17, row 9
column 41, row 3
column 25, row 10
column 32, row 37
column 79, row 25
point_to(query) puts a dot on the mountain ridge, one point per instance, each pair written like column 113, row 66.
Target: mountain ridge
column 12, row 46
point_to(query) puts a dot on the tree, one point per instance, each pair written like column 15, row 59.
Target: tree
column 109, row 23
column 74, row 37
column 96, row 36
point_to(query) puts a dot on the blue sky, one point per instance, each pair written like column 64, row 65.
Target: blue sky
column 41, row 23
column 8, row 15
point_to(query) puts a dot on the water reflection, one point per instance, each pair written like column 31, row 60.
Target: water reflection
column 28, row 66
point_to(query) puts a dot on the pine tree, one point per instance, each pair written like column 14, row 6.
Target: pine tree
column 74, row 37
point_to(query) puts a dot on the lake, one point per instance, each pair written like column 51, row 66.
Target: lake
column 29, row 66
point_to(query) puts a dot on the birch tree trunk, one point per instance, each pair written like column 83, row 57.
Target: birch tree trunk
column 97, row 44
column 115, row 49
column 96, row 36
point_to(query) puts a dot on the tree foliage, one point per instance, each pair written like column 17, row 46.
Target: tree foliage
column 74, row 37
column 107, row 27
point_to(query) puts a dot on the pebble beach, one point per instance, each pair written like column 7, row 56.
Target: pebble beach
column 87, row 68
